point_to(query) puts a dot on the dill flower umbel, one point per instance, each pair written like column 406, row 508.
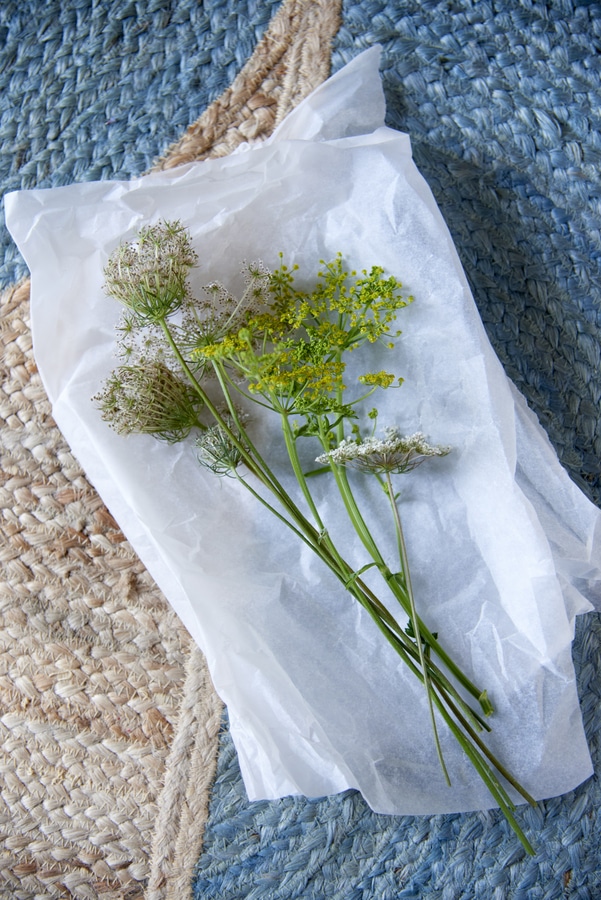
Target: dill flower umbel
column 291, row 352
column 395, row 454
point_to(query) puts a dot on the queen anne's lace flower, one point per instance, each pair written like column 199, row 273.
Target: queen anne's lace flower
column 149, row 276
column 149, row 399
column 396, row 453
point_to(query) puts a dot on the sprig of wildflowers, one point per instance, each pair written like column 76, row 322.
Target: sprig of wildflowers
column 285, row 349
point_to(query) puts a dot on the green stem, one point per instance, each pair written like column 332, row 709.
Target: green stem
column 415, row 622
column 253, row 462
column 488, row 777
column 406, row 649
column 394, row 633
column 254, row 454
column 398, row 589
column 382, row 611
column 487, row 752
column 410, row 651
column 298, row 470
column 482, row 768
column 317, row 540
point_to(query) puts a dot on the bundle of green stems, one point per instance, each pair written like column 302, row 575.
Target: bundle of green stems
column 191, row 365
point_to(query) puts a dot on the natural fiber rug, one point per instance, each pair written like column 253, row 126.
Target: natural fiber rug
column 108, row 720
column 502, row 106
column 105, row 704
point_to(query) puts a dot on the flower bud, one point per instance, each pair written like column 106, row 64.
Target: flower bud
column 217, row 450
column 149, row 399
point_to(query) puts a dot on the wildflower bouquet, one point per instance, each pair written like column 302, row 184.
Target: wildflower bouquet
column 285, row 350
column 329, row 657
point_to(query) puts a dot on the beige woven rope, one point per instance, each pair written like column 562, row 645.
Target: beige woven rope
column 291, row 60
column 108, row 720
column 92, row 663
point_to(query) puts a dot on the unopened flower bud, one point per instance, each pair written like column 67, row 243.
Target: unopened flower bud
column 149, row 399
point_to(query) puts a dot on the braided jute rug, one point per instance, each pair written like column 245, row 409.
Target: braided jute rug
column 108, row 720
column 503, row 105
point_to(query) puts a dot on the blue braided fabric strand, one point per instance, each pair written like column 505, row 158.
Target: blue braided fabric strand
column 98, row 89
column 502, row 101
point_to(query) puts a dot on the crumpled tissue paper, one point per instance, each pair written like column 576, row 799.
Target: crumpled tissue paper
column 504, row 549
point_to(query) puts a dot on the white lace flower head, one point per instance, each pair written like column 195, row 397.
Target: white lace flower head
column 395, row 453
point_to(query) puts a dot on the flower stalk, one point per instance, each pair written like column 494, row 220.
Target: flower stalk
column 285, row 350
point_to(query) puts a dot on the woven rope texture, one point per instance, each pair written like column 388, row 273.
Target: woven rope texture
column 502, row 104
column 93, row 90
column 107, row 747
column 92, row 663
column 336, row 847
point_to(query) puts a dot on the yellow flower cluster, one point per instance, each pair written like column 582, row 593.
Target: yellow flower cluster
column 292, row 351
column 379, row 379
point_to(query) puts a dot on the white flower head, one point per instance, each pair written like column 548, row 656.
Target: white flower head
column 150, row 275
column 395, row 453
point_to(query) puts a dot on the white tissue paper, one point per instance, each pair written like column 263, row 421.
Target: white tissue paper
column 504, row 549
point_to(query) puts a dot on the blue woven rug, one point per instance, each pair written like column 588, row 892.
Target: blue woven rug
column 502, row 104
column 95, row 90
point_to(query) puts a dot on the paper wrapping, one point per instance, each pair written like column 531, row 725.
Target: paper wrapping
column 504, row 549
